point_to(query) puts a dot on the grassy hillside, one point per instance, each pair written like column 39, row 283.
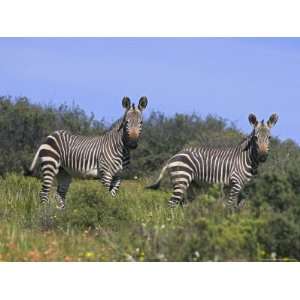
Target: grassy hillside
column 138, row 225
column 135, row 226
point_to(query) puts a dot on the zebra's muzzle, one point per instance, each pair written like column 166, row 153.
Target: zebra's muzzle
column 132, row 144
column 132, row 138
column 133, row 134
column 263, row 157
column 263, row 152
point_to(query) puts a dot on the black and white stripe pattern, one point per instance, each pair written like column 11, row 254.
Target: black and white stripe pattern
column 233, row 166
column 65, row 155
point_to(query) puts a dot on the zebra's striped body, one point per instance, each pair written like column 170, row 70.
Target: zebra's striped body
column 233, row 166
column 65, row 155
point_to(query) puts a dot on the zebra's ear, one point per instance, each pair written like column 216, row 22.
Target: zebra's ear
column 273, row 120
column 143, row 103
column 253, row 120
column 126, row 103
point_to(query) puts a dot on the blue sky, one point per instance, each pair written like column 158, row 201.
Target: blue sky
column 227, row 77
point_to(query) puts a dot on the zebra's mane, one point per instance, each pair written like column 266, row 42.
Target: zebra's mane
column 245, row 143
column 115, row 125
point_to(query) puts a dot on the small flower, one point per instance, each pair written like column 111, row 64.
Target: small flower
column 89, row 254
column 129, row 258
column 67, row 258
column 273, row 255
column 161, row 257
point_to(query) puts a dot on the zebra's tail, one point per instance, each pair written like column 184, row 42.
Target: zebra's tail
column 156, row 184
column 30, row 171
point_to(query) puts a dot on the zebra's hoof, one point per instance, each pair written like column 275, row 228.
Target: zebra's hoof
column 174, row 204
column 60, row 206
column 184, row 204
column 231, row 209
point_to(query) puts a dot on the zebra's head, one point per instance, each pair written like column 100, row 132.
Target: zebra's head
column 132, row 121
column 261, row 135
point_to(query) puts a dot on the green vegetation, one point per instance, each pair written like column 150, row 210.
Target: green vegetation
column 137, row 225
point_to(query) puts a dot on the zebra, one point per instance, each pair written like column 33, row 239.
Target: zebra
column 64, row 155
column 232, row 166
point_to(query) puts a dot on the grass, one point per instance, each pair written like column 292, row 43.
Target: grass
column 137, row 225
column 93, row 227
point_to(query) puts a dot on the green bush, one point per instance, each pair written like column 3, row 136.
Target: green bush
column 90, row 205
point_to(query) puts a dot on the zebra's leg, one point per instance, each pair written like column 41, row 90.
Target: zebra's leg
column 49, row 171
column 241, row 203
column 63, row 182
column 107, row 180
column 180, row 186
column 235, row 189
column 115, row 185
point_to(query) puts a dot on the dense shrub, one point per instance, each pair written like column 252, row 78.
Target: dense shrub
column 23, row 126
column 91, row 206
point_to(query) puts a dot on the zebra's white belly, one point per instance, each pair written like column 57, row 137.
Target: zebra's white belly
column 92, row 173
